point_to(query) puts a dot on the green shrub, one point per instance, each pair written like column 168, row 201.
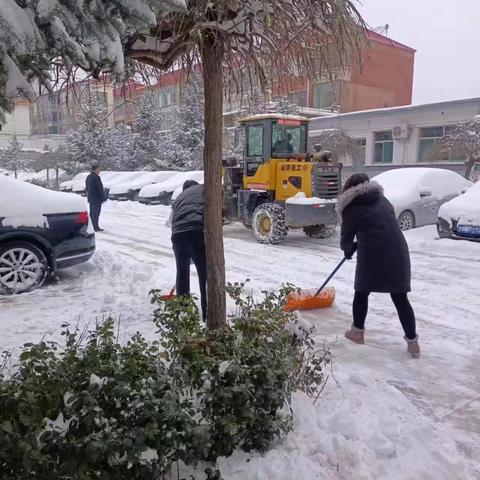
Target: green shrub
column 96, row 409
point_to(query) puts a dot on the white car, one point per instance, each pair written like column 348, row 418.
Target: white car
column 460, row 217
column 161, row 193
column 129, row 190
column 417, row 193
column 68, row 185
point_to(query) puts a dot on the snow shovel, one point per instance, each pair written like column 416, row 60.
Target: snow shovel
column 309, row 299
column 169, row 296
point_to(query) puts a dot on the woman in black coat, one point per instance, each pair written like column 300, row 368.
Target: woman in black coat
column 369, row 226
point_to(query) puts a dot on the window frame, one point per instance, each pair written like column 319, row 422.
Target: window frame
column 421, row 139
column 382, row 142
column 247, row 140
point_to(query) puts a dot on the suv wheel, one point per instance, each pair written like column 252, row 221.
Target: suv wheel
column 443, row 229
column 134, row 196
column 406, row 221
column 23, row 267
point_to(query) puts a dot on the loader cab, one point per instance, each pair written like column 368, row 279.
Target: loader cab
column 273, row 136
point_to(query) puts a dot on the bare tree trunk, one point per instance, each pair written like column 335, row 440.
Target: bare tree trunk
column 57, row 183
column 212, row 56
column 469, row 165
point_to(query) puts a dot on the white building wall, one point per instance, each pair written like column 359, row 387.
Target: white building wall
column 405, row 151
column 17, row 123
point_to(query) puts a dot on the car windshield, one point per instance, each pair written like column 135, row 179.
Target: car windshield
column 288, row 136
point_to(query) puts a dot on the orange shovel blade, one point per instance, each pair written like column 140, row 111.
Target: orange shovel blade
column 306, row 300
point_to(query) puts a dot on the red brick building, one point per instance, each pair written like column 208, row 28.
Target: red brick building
column 385, row 79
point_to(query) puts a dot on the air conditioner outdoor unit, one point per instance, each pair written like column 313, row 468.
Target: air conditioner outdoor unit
column 402, row 131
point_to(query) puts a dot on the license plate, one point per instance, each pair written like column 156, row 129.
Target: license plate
column 469, row 230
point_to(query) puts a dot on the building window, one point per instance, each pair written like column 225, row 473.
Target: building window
column 362, row 150
column 383, row 147
column 325, row 95
column 52, row 130
column 168, row 96
column 298, row 98
column 428, row 150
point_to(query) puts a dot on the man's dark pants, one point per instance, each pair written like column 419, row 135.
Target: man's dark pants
column 191, row 246
column 95, row 209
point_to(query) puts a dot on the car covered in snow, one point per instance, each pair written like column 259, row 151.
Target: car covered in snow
column 460, row 217
column 161, row 193
column 68, row 184
column 41, row 231
column 417, row 193
column 130, row 189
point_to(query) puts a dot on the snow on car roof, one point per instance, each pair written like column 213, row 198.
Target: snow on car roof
column 171, row 184
column 146, row 179
column 24, row 204
column 398, row 178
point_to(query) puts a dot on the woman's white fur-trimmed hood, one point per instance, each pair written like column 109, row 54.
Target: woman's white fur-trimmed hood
column 346, row 198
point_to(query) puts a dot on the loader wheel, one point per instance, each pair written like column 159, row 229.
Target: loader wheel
column 320, row 231
column 268, row 223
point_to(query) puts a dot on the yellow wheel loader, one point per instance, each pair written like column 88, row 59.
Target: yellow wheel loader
column 280, row 185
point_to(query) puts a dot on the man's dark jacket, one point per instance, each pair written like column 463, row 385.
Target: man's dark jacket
column 187, row 210
column 94, row 186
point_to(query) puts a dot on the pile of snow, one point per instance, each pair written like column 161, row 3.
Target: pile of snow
column 301, row 199
column 41, row 175
column 403, row 185
column 24, row 204
column 464, row 209
column 146, row 178
column 171, row 184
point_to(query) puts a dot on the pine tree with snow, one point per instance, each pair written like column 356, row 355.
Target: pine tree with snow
column 259, row 102
column 342, row 146
column 11, row 158
column 90, row 35
column 121, row 143
column 90, row 142
column 148, row 124
column 182, row 146
column 464, row 140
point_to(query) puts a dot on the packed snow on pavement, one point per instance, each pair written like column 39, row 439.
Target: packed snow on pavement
column 382, row 415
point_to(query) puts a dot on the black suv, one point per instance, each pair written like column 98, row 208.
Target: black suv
column 32, row 246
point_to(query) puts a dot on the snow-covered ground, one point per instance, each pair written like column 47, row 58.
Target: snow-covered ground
column 385, row 416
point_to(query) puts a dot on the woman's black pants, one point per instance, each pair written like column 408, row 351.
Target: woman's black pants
column 400, row 300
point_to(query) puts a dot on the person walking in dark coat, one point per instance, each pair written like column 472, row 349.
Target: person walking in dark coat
column 188, row 240
column 369, row 227
column 95, row 196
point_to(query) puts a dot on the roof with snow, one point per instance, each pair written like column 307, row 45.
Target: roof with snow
column 378, row 112
column 378, row 37
column 273, row 116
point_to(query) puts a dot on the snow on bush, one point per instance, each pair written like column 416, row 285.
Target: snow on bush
column 115, row 411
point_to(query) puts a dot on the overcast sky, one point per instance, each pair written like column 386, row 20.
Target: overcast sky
column 446, row 35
